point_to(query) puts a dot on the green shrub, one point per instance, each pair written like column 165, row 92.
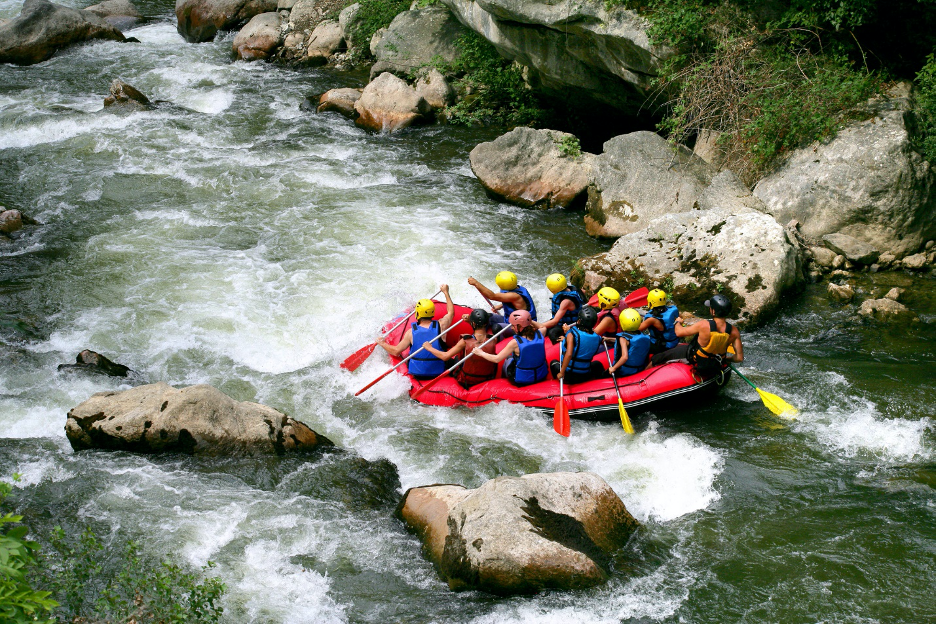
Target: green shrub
column 570, row 146
column 374, row 15
column 19, row 558
column 925, row 140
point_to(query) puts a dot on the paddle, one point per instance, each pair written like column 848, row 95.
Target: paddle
column 625, row 419
column 451, row 370
column 408, row 357
column 561, row 414
column 353, row 361
column 774, row 403
column 638, row 298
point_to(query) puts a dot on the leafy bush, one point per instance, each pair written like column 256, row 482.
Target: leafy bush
column 19, row 602
column 926, row 100
column 570, row 146
column 374, row 15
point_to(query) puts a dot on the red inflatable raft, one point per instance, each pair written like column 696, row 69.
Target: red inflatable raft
column 659, row 387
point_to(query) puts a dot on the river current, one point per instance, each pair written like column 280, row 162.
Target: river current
column 234, row 239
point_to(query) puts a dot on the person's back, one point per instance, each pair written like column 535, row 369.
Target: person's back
column 660, row 321
column 578, row 350
column 476, row 369
column 529, row 366
column 425, row 364
column 567, row 301
column 637, row 344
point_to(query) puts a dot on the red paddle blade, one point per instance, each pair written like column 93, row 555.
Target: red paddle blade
column 561, row 418
column 357, row 358
column 637, row 299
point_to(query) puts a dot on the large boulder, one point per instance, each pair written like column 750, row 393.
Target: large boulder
column 528, row 167
column 853, row 249
column 415, row 39
column 200, row 20
column 520, row 534
column 325, row 40
column 196, row 420
column 119, row 13
column 42, row 28
column 340, row 101
column 867, row 182
column 640, row 177
column 742, row 253
column 434, row 88
column 259, row 38
column 388, row 104
column 598, row 52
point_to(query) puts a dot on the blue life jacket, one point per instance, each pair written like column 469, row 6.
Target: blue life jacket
column 638, row 352
column 531, row 365
column 425, row 364
column 667, row 316
column 573, row 295
column 523, row 292
column 586, row 346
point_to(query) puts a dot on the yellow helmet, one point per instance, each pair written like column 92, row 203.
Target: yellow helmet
column 656, row 298
column 556, row 283
column 506, row 280
column 608, row 298
column 425, row 308
column 630, row 320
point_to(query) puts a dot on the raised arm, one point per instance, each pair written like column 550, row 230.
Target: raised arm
column 446, row 321
column 509, row 297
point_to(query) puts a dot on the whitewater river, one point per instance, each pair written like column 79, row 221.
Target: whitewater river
column 236, row 240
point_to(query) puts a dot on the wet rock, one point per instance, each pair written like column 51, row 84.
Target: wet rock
column 866, row 182
column 886, row 311
column 894, row 293
column 10, row 221
column 518, row 535
column 200, row 20
column 127, row 97
column 388, row 104
column 853, row 249
column 600, row 52
column 843, row 293
column 195, row 420
column 259, row 38
column 916, row 262
column 638, row 178
column 119, row 13
column 43, row 28
column 527, row 167
column 324, row 41
column 94, row 362
column 823, row 256
column 745, row 255
column 341, row 101
column 435, row 89
column 416, row 39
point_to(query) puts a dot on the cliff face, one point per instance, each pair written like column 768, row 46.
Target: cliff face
column 600, row 54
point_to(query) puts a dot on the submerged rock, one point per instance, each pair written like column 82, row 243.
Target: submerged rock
column 259, row 38
column 523, row 534
column 96, row 363
column 887, row 310
column 125, row 96
column 527, row 167
column 388, row 104
column 200, row 20
column 195, row 420
column 43, row 28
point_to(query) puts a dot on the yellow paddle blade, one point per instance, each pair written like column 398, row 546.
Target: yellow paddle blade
column 625, row 420
column 777, row 405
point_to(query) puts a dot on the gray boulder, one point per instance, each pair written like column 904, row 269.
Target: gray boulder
column 853, row 249
column 867, row 183
column 259, row 38
column 744, row 254
column 324, row 41
column 348, row 18
column 517, row 535
column 434, row 88
column 198, row 420
column 600, row 53
column 200, row 20
column 388, row 104
column 341, row 101
column 119, row 13
column 640, row 177
column 415, row 39
column 527, row 168
column 126, row 97
column 43, row 28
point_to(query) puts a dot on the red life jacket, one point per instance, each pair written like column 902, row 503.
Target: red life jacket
column 476, row 369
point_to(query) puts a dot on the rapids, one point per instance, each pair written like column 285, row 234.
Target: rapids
column 234, row 239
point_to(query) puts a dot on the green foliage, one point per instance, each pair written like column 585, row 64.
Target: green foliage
column 926, row 136
column 374, row 15
column 19, row 602
column 91, row 585
column 494, row 87
column 570, row 146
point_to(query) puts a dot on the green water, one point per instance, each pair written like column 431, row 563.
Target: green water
column 236, row 240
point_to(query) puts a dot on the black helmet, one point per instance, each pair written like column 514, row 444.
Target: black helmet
column 588, row 316
column 479, row 318
column 720, row 305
